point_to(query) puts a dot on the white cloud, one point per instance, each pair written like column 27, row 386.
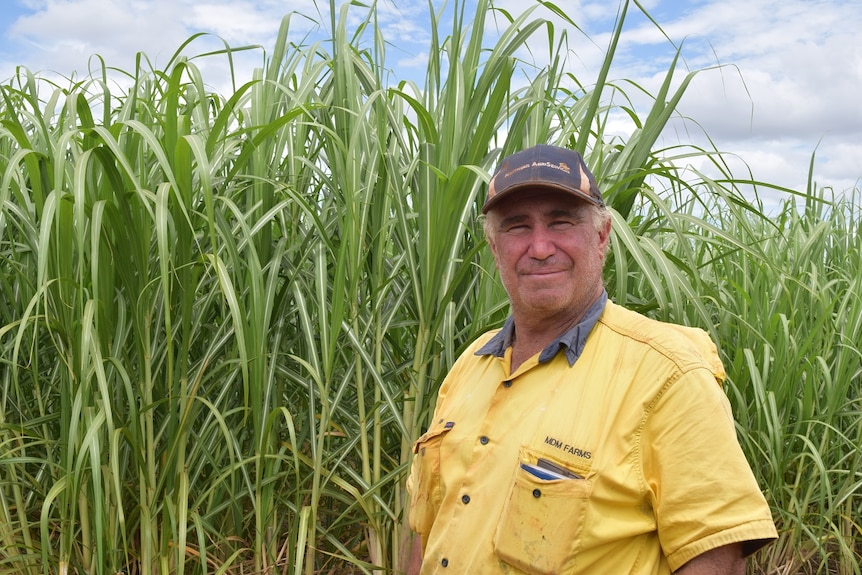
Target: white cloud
column 252, row 22
column 63, row 35
column 789, row 82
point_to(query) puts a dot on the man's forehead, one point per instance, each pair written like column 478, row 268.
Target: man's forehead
column 541, row 201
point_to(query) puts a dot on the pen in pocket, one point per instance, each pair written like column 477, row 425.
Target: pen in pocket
column 548, row 470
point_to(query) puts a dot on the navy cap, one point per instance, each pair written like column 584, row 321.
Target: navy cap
column 543, row 167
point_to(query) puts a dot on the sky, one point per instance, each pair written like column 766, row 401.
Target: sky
column 779, row 80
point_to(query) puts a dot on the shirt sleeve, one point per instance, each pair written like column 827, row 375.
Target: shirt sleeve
column 703, row 491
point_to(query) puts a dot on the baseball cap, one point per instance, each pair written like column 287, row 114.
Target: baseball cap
column 543, row 167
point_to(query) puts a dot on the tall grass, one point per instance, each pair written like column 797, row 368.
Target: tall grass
column 798, row 378
column 784, row 292
column 223, row 318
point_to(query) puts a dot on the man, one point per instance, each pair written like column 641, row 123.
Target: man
column 581, row 437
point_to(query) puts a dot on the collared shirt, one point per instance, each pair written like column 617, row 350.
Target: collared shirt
column 639, row 423
column 572, row 341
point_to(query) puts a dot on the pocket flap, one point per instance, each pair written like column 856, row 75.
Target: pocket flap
column 441, row 427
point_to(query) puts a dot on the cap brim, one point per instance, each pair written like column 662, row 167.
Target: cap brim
column 538, row 187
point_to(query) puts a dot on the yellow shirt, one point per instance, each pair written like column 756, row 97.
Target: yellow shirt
column 640, row 418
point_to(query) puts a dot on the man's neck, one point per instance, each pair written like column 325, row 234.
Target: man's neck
column 532, row 334
column 528, row 342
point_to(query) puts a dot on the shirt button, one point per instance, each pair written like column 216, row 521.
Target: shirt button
column 507, row 383
column 465, row 499
column 484, row 440
column 444, row 562
column 537, row 493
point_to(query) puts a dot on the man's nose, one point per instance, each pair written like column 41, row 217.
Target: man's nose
column 541, row 245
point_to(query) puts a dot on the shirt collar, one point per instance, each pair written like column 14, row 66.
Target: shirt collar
column 572, row 341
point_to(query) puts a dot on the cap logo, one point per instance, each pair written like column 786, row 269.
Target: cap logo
column 562, row 166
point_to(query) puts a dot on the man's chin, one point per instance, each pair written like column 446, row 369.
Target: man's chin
column 545, row 305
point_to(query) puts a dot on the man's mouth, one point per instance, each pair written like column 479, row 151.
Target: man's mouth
column 543, row 272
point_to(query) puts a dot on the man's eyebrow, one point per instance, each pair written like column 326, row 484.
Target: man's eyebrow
column 563, row 213
column 574, row 213
column 516, row 219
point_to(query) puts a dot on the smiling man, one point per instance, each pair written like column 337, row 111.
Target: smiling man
column 581, row 437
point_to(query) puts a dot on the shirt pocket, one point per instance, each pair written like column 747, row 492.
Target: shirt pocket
column 425, row 492
column 540, row 528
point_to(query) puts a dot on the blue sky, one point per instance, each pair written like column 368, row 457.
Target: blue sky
column 789, row 83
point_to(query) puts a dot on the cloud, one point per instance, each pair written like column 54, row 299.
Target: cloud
column 62, row 36
column 801, row 74
column 779, row 81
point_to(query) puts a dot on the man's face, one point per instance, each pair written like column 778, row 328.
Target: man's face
column 549, row 252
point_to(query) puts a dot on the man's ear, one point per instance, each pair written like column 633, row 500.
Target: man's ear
column 493, row 246
column 489, row 237
column 604, row 232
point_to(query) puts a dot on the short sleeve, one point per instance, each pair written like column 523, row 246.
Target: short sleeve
column 703, row 490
